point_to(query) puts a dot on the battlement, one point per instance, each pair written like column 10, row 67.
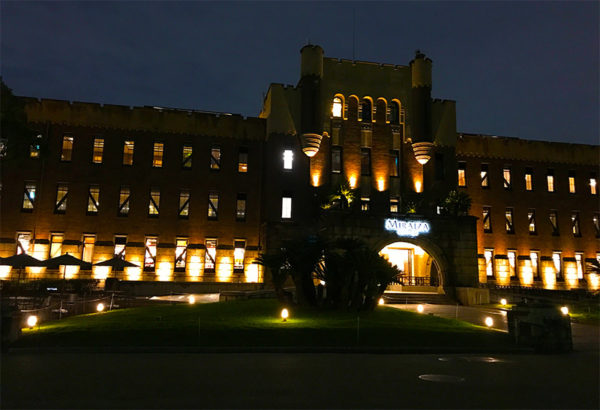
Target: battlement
column 363, row 63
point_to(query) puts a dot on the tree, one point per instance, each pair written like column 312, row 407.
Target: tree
column 15, row 135
column 342, row 198
column 457, row 203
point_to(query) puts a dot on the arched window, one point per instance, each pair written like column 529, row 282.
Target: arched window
column 394, row 113
column 367, row 110
column 337, row 108
column 352, row 108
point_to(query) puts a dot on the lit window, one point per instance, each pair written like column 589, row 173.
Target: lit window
column 62, row 191
column 240, row 207
column 487, row 219
column 506, row 176
column 535, row 265
column 394, row 163
column 485, row 182
column 215, row 158
column 557, row 264
column 512, row 262
column 336, row 160
column 365, row 161
column 288, row 159
column 56, row 242
column 553, row 218
column 154, row 204
column 462, row 177
column 531, row 221
column 575, row 224
column 528, row 179
column 124, row 198
column 337, row 108
column 98, row 150
column 67, row 148
column 213, row 206
column 239, row 250
column 394, row 113
column 210, row 255
column 28, row 197
column 150, row 254
column 88, row 247
column 596, row 221
column 35, row 147
column 394, row 205
column 286, row 207
column 243, row 160
column 579, row 262
column 508, row 217
column 120, row 245
column 366, row 110
column 364, row 203
column 572, row 182
column 180, row 252
column 184, row 204
column 187, row 157
column 23, row 242
column 489, row 262
column 550, row 180
column 157, row 158
column 93, row 199
column 128, row 152
column 593, row 185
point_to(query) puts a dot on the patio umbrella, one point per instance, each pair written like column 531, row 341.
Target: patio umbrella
column 21, row 261
column 67, row 260
column 117, row 264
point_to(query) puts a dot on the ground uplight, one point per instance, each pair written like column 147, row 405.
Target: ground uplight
column 100, row 307
column 285, row 314
column 420, row 308
column 503, row 302
column 564, row 310
column 381, row 301
column 191, row 299
column 32, row 320
column 489, row 322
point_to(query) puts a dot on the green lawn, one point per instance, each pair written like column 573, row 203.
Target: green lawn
column 256, row 323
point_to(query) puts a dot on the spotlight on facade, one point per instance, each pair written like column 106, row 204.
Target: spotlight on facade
column 503, row 302
column 32, row 321
column 489, row 322
column 564, row 310
column 310, row 144
column 381, row 301
column 285, row 314
column 420, row 308
column 100, row 307
column 422, row 151
column 191, row 299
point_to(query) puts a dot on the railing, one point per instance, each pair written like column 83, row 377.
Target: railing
column 407, row 280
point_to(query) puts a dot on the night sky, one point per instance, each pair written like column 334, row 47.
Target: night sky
column 520, row 69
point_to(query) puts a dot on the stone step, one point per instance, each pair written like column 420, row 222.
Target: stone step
column 414, row 298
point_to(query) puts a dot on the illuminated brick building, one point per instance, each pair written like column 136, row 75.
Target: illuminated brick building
column 195, row 196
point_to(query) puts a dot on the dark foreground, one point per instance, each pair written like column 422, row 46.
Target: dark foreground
column 180, row 380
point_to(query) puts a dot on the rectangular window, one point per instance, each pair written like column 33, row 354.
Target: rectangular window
column 508, row 217
column 550, row 180
column 575, row 224
column 596, row 222
column 462, row 176
column 180, row 252
column 154, row 203
column 23, row 242
column 506, row 176
column 336, row 160
column 88, row 247
column 124, row 198
column 572, row 182
column 128, row 147
column 240, row 207
column 60, row 205
column 28, row 197
column 213, row 206
column 489, row 262
column 535, row 263
column 210, row 255
column 186, row 160
column 150, row 254
column 531, row 221
column 215, row 158
column 184, row 204
column 364, row 203
column 512, row 262
column 286, row 207
column 35, row 147
column 557, row 264
column 365, row 161
column 67, row 148
column 243, row 160
column 239, row 250
column 528, row 179
column 394, row 205
column 553, row 218
column 56, row 241
column 593, row 184
column 120, row 245
column 288, row 159
column 579, row 262
column 98, row 150
column 157, row 157
column 395, row 163
column 485, row 180
column 93, row 200
column 487, row 219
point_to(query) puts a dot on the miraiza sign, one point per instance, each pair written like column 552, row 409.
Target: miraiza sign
column 410, row 228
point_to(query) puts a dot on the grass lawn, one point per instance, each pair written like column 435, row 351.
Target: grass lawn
column 257, row 323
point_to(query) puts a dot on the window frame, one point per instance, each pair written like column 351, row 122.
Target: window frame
column 186, row 157
column 29, row 196
column 242, row 167
column 240, row 214
column 509, row 220
column 154, row 203
column 487, row 219
column 288, row 159
column 531, row 222
column 66, row 152
column 213, row 205
column 60, row 203
column 484, row 175
column 215, row 158
column 98, row 150
column 127, row 154
column 507, row 182
column 210, row 254
column 461, row 171
column 124, row 206
column 149, row 258
column 94, row 202
column 575, row 224
column 158, row 153
column 183, row 209
column 553, row 219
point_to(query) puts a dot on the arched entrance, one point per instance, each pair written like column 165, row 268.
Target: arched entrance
column 420, row 270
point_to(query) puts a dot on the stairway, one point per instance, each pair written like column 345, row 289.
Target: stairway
column 416, row 298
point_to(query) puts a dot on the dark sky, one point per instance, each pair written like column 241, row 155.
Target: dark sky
column 521, row 69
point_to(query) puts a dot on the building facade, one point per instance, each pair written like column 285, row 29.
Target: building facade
column 196, row 196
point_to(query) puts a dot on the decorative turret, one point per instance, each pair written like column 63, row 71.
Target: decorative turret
column 421, row 107
column 311, row 74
